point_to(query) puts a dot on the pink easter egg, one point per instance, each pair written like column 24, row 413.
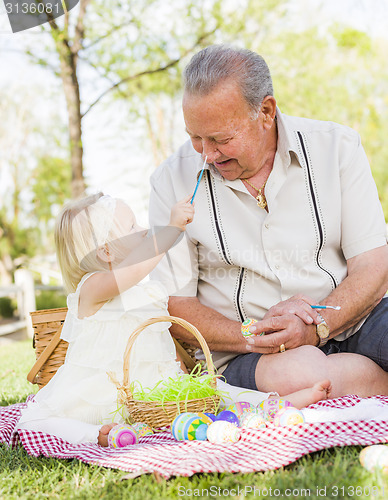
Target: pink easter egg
column 122, row 435
column 240, row 408
column 271, row 406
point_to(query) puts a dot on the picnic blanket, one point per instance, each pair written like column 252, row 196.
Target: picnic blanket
column 257, row 450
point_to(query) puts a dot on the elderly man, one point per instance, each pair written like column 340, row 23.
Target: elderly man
column 287, row 216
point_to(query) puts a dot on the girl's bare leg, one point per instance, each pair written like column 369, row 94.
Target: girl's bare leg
column 296, row 369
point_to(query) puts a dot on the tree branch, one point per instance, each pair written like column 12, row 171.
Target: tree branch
column 108, row 33
column 149, row 72
column 80, row 27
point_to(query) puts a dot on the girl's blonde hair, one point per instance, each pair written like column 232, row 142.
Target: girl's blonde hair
column 78, row 237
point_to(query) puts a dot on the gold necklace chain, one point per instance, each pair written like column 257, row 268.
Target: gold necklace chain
column 260, row 198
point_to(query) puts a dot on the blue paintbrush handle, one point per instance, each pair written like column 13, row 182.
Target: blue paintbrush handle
column 198, row 181
column 336, row 308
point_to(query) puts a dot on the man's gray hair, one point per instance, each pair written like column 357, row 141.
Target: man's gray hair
column 218, row 63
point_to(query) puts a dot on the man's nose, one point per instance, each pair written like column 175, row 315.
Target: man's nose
column 210, row 150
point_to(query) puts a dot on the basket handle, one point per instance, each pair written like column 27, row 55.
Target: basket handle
column 166, row 319
column 44, row 356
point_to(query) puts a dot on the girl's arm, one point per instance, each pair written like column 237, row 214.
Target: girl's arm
column 103, row 286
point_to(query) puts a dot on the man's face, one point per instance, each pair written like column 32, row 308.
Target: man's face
column 221, row 127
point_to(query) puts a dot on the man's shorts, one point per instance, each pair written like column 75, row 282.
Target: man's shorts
column 370, row 340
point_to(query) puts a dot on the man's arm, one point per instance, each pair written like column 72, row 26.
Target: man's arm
column 362, row 289
column 220, row 333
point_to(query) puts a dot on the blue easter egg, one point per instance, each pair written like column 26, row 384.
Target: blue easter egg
column 211, row 416
column 178, row 424
column 228, row 416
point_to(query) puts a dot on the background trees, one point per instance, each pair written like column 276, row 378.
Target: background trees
column 123, row 60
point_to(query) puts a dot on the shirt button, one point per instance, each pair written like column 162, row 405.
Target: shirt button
column 277, row 266
column 266, row 226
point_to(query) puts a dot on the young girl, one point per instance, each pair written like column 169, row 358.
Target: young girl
column 103, row 255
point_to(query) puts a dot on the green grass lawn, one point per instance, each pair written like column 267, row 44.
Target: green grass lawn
column 334, row 473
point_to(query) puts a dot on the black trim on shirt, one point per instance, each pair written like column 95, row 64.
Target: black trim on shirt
column 316, row 211
column 216, row 222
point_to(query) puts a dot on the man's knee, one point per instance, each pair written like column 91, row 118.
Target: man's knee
column 292, row 370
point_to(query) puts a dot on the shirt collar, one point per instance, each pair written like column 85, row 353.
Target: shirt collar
column 286, row 140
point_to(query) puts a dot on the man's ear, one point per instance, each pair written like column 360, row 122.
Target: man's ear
column 104, row 254
column 268, row 109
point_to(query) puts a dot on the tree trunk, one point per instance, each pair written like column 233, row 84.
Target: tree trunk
column 73, row 102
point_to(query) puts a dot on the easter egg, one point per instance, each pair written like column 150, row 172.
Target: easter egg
column 197, row 431
column 204, row 417
column 211, row 416
column 179, row 422
column 142, row 429
column 375, row 457
column 222, row 432
column 288, row 416
column 253, row 421
column 189, row 427
column 228, row 416
column 122, row 435
column 240, row 408
column 245, row 327
column 271, row 406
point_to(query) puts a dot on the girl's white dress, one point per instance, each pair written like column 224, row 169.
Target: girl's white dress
column 81, row 388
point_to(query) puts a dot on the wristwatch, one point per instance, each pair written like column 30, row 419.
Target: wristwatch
column 323, row 332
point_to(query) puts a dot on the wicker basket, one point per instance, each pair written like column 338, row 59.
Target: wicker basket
column 50, row 349
column 158, row 414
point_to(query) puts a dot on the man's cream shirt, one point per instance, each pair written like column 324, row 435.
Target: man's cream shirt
column 239, row 259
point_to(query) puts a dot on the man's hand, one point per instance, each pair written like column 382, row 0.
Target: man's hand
column 298, row 305
column 288, row 329
column 290, row 322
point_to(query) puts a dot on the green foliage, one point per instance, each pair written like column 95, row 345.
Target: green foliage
column 7, row 307
column 51, row 180
column 47, row 299
column 350, row 38
column 16, row 240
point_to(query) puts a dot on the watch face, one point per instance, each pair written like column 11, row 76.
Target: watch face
column 323, row 330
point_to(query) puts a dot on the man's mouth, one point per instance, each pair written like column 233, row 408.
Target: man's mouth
column 222, row 164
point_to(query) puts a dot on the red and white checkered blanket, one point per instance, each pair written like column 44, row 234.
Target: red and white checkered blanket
column 257, row 450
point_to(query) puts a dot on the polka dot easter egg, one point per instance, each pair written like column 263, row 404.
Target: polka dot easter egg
column 245, row 327
column 223, row 432
column 228, row 416
column 253, row 421
column 288, row 416
column 240, row 408
column 142, row 429
column 271, row 406
column 122, row 435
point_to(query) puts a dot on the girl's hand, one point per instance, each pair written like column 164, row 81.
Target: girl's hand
column 182, row 213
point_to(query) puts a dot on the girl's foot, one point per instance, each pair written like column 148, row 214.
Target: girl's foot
column 305, row 397
column 103, row 434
